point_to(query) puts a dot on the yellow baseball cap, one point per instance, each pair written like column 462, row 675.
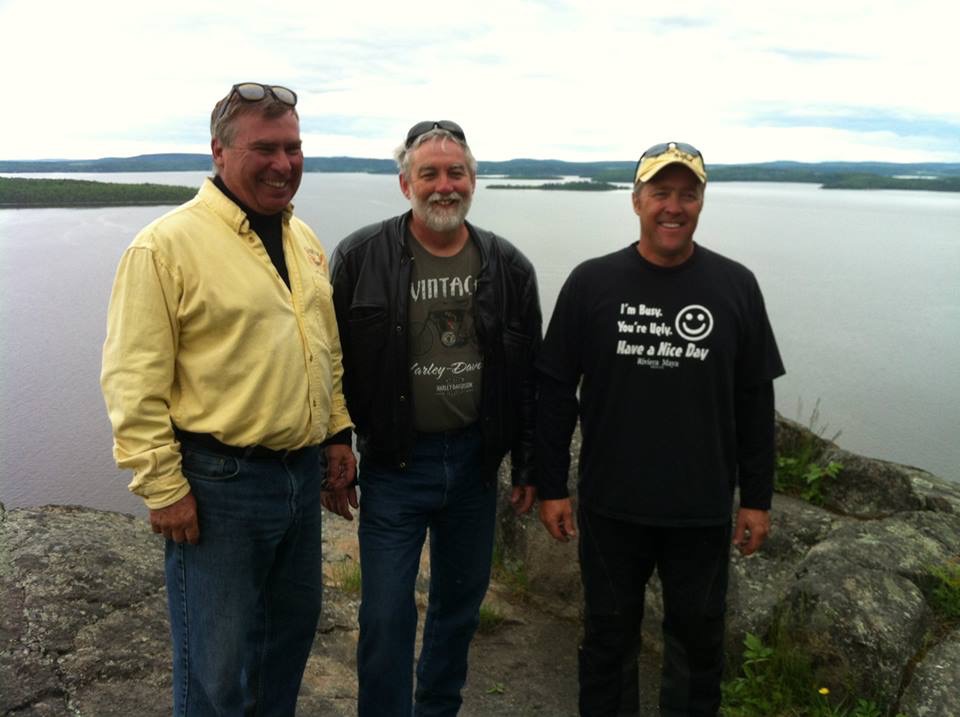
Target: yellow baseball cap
column 667, row 153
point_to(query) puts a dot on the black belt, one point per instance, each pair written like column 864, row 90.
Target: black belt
column 207, row 442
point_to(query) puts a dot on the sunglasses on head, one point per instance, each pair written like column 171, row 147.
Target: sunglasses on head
column 254, row 92
column 664, row 147
column 658, row 149
column 421, row 128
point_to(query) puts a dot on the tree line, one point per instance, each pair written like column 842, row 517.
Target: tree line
column 24, row 193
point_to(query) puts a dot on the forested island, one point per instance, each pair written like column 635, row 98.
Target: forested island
column 20, row 193
column 581, row 186
column 871, row 181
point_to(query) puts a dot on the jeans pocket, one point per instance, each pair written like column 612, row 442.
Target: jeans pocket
column 197, row 465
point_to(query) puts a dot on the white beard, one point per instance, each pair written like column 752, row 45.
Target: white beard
column 437, row 217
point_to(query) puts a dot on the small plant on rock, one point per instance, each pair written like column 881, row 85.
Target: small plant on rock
column 945, row 592
column 509, row 572
column 800, row 471
column 491, row 619
column 803, row 477
column 779, row 681
column 346, row 576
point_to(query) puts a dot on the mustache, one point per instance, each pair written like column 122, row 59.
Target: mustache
column 438, row 197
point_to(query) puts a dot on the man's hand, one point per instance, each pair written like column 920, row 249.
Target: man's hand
column 557, row 517
column 178, row 521
column 752, row 529
column 522, row 497
column 341, row 467
column 340, row 501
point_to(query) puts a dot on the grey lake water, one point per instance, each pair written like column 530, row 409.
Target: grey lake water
column 862, row 288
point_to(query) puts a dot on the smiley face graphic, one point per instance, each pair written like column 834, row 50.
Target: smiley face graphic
column 694, row 322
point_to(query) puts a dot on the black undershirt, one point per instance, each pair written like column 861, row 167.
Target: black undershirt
column 269, row 227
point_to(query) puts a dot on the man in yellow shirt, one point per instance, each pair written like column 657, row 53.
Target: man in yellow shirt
column 222, row 377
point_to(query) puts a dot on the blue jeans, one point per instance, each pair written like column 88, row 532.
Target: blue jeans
column 245, row 601
column 441, row 490
column 617, row 559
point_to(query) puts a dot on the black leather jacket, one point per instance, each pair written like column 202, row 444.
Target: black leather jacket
column 371, row 289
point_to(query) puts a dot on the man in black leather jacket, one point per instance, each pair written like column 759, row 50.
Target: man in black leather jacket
column 440, row 324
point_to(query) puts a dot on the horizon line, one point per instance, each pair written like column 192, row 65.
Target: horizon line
column 486, row 161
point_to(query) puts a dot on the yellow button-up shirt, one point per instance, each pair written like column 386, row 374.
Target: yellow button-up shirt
column 203, row 333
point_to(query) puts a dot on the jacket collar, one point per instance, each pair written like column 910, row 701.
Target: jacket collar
column 229, row 211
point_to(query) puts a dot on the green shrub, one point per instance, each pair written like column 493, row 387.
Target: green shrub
column 803, row 477
column 778, row 681
column 944, row 595
column 800, row 470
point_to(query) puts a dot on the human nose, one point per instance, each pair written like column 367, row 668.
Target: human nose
column 445, row 184
column 673, row 204
column 281, row 161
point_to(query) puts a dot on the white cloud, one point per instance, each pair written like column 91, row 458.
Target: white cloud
column 574, row 80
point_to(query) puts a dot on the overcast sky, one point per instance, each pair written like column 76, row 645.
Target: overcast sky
column 743, row 80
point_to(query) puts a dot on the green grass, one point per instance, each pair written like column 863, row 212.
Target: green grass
column 346, row 576
column 778, row 681
column 510, row 573
column 944, row 594
column 491, row 619
column 802, row 476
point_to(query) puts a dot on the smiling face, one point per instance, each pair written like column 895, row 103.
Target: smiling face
column 694, row 322
column 263, row 164
column 668, row 206
column 439, row 185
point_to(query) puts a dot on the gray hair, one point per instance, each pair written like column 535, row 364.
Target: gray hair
column 223, row 127
column 402, row 153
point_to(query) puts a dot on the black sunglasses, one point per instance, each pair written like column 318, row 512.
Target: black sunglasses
column 664, row 147
column 658, row 149
column 254, row 92
column 421, row 128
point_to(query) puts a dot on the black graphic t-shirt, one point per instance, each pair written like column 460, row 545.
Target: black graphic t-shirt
column 445, row 360
column 662, row 353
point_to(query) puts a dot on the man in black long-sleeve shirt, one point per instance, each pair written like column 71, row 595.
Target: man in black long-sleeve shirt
column 670, row 346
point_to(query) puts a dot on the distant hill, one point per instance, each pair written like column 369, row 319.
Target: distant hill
column 184, row 163
column 141, row 163
column 852, row 175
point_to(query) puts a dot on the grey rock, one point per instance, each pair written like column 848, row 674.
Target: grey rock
column 907, row 544
column 760, row 582
column 845, row 582
column 73, row 585
column 860, row 627
column 84, row 631
column 934, row 690
column 550, row 568
column 868, row 488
